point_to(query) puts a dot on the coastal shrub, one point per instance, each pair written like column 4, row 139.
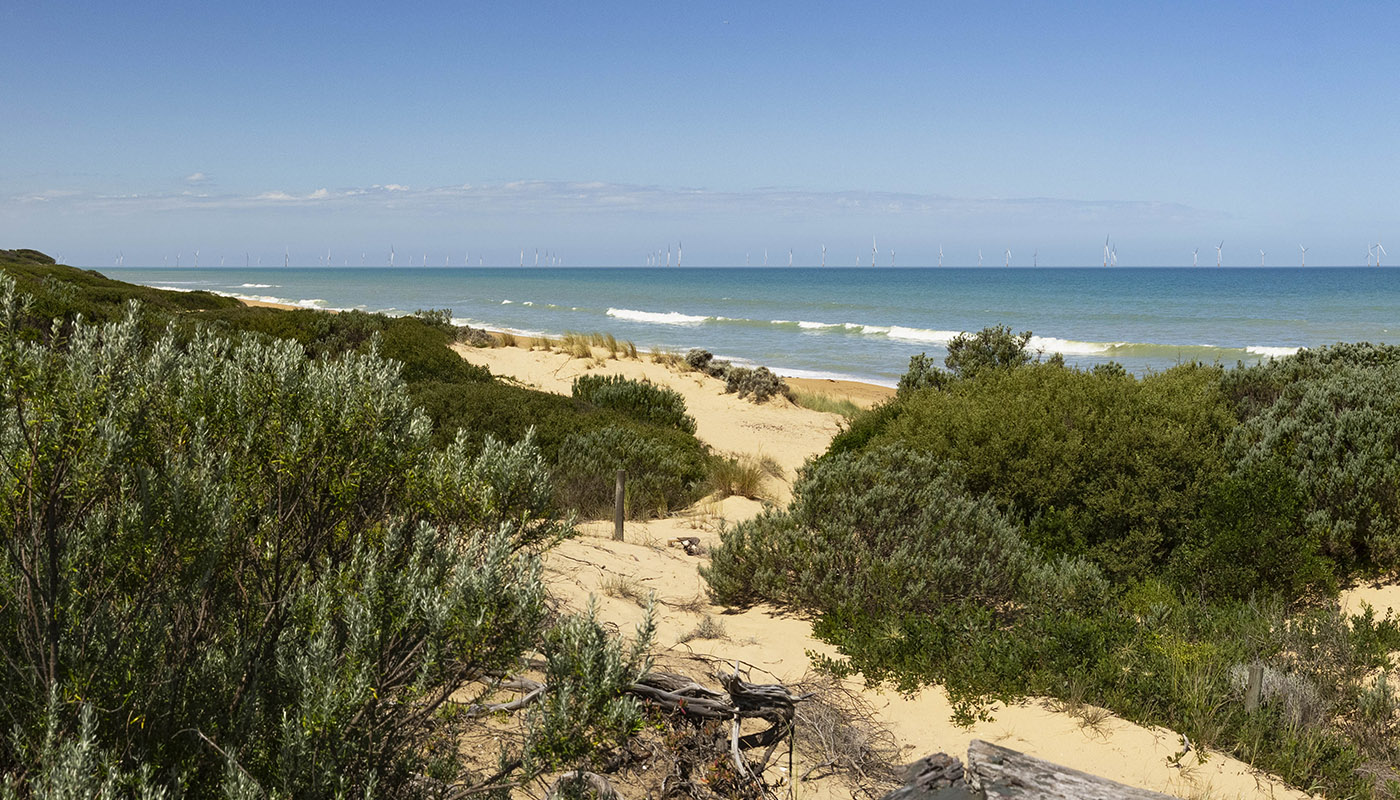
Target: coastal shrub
column 662, row 474
column 422, row 347
column 895, row 554
column 990, row 348
column 703, row 360
column 922, row 374
column 1338, row 432
column 757, row 384
column 638, row 399
column 231, row 562
column 1250, row 539
column 887, row 531
column 1106, row 466
column 1254, row 388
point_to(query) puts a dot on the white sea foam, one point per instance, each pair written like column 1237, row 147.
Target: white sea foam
column 1273, row 352
column 660, row 317
column 507, row 302
column 808, row 326
column 918, row 334
column 259, row 286
column 1069, row 347
column 174, row 289
column 313, row 303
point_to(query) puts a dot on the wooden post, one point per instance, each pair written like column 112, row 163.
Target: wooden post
column 618, row 497
column 1256, row 685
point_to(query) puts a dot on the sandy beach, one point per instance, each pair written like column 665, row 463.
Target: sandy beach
column 778, row 643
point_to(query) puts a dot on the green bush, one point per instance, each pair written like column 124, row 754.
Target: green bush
column 922, row 374
column 637, row 399
column 990, row 348
column 757, row 384
column 1337, row 430
column 230, row 567
column 1254, row 388
column 1250, row 539
column 1094, row 464
column 663, row 474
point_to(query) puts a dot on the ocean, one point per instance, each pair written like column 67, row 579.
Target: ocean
column 864, row 323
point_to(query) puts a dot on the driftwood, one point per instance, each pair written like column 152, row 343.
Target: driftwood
column 995, row 772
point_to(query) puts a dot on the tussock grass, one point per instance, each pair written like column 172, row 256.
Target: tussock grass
column 817, row 401
column 743, row 476
column 667, row 357
column 507, row 339
column 624, row 589
column 709, row 629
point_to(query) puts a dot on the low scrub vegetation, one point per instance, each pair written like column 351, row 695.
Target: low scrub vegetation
column 755, row 384
column 638, row 399
column 1009, row 526
column 234, row 569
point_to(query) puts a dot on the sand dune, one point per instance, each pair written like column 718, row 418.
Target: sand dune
column 779, row 643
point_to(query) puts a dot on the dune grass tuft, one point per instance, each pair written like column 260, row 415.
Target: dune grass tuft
column 818, row 401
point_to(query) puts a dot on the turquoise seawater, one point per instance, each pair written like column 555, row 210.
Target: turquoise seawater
column 865, row 323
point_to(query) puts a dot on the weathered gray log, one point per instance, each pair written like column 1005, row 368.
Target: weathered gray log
column 999, row 772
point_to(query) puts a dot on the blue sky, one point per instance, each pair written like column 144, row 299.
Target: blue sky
column 602, row 132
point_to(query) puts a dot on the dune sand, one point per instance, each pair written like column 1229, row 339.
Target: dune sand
column 778, row 643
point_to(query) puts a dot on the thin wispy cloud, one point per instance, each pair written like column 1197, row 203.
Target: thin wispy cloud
column 197, row 178
column 551, row 198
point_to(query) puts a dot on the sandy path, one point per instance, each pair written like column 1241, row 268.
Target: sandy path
column 593, row 564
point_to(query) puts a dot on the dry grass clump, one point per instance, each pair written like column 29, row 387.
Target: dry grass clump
column 506, row 339
column 708, row 629
column 817, row 401
column 543, row 343
column 624, row 589
column 669, row 358
column 576, row 345
column 743, row 476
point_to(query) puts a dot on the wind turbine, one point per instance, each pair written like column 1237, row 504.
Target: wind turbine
column 196, row 259
column 789, row 256
column 391, row 255
column 1218, row 249
column 1113, row 256
column 1105, row 251
column 678, row 255
column 765, row 256
column 1305, row 255
column 177, row 259
column 940, row 254
column 979, row 256
column 823, row 255
column 668, row 256
column 1370, row 250
column 1035, row 258
column 1195, row 261
column 1380, row 251
column 873, row 251
column 1008, row 256
column 286, row 257
column 1261, row 258
column 891, row 256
